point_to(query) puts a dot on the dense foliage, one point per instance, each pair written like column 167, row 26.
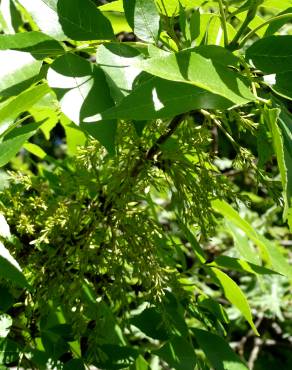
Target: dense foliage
column 146, row 184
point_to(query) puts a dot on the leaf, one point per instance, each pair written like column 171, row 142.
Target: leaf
column 82, row 91
column 21, row 103
column 117, row 61
column 237, row 264
column 158, row 98
column 44, row 14
column 178, row 353
column 7, row 298
column 272, row 54
column 74, row 364
column 75, row 137
column 17, row 72
column 211, row 31
column 10, row 17
column 150, row 323
column 9, row 148
column 242, row 243
column 190, row 27
column 192, row 68
column 82, row 20
column 217, row 54
column 76, row 19
column 283, row 84
column 282, row 142
column 143, row 18
column 234, row 294
column 197, row 249
column 171, row 7
column 10, row 269
column 276, row 25
column 36, row 43
column 269, row 251
column 140, row 364
column 218, row 352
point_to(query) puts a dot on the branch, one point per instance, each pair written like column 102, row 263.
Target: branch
column 223, row 22
column 148, row 157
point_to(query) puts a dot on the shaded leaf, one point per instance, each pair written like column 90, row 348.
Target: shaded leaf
column 192, row 68
column 117, row 61
column 272, row 54
column 178, row 353
column 150, row 323
column 237, row 264
column 218, row 352
column 159, row 98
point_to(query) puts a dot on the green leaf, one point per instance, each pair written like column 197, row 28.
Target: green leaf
column 75, row 19
column 10, row 269
column 171, row 7
column 218, row 352
column 9, row 148
column 269, row 251
column 117, row 60
column 217, row 55
column 74, row 364
column 9, row 351
column 211, row 30
column 82, row 91
column 140, row 364
column 242, row 243
column 10, row 17
column 283, row 85
column 36, row 43
column 215, row 308
column 18, row 69
column 82, row 20
column 21, row 103
column 158, row 98
column 272, row 54
column 75, row 137
column 6, row 298
column 197, row 249
column 150, row 323
column 178, row 353
column 44, row 14
column 143, row 18
column 282, row 142
column 237, row 264
column 276, row 25
column 234, row 294
column 192, row 68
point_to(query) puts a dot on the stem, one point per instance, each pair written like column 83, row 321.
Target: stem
column 249, row 17
column 223, row 22
column 254, row 31
column 218, row 124
column 148, row 157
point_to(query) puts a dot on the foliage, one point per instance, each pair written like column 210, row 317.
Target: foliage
column 146, row 149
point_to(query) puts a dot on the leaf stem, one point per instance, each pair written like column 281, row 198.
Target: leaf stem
column 223, row 22
column 254, row 31
column 249, row 17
